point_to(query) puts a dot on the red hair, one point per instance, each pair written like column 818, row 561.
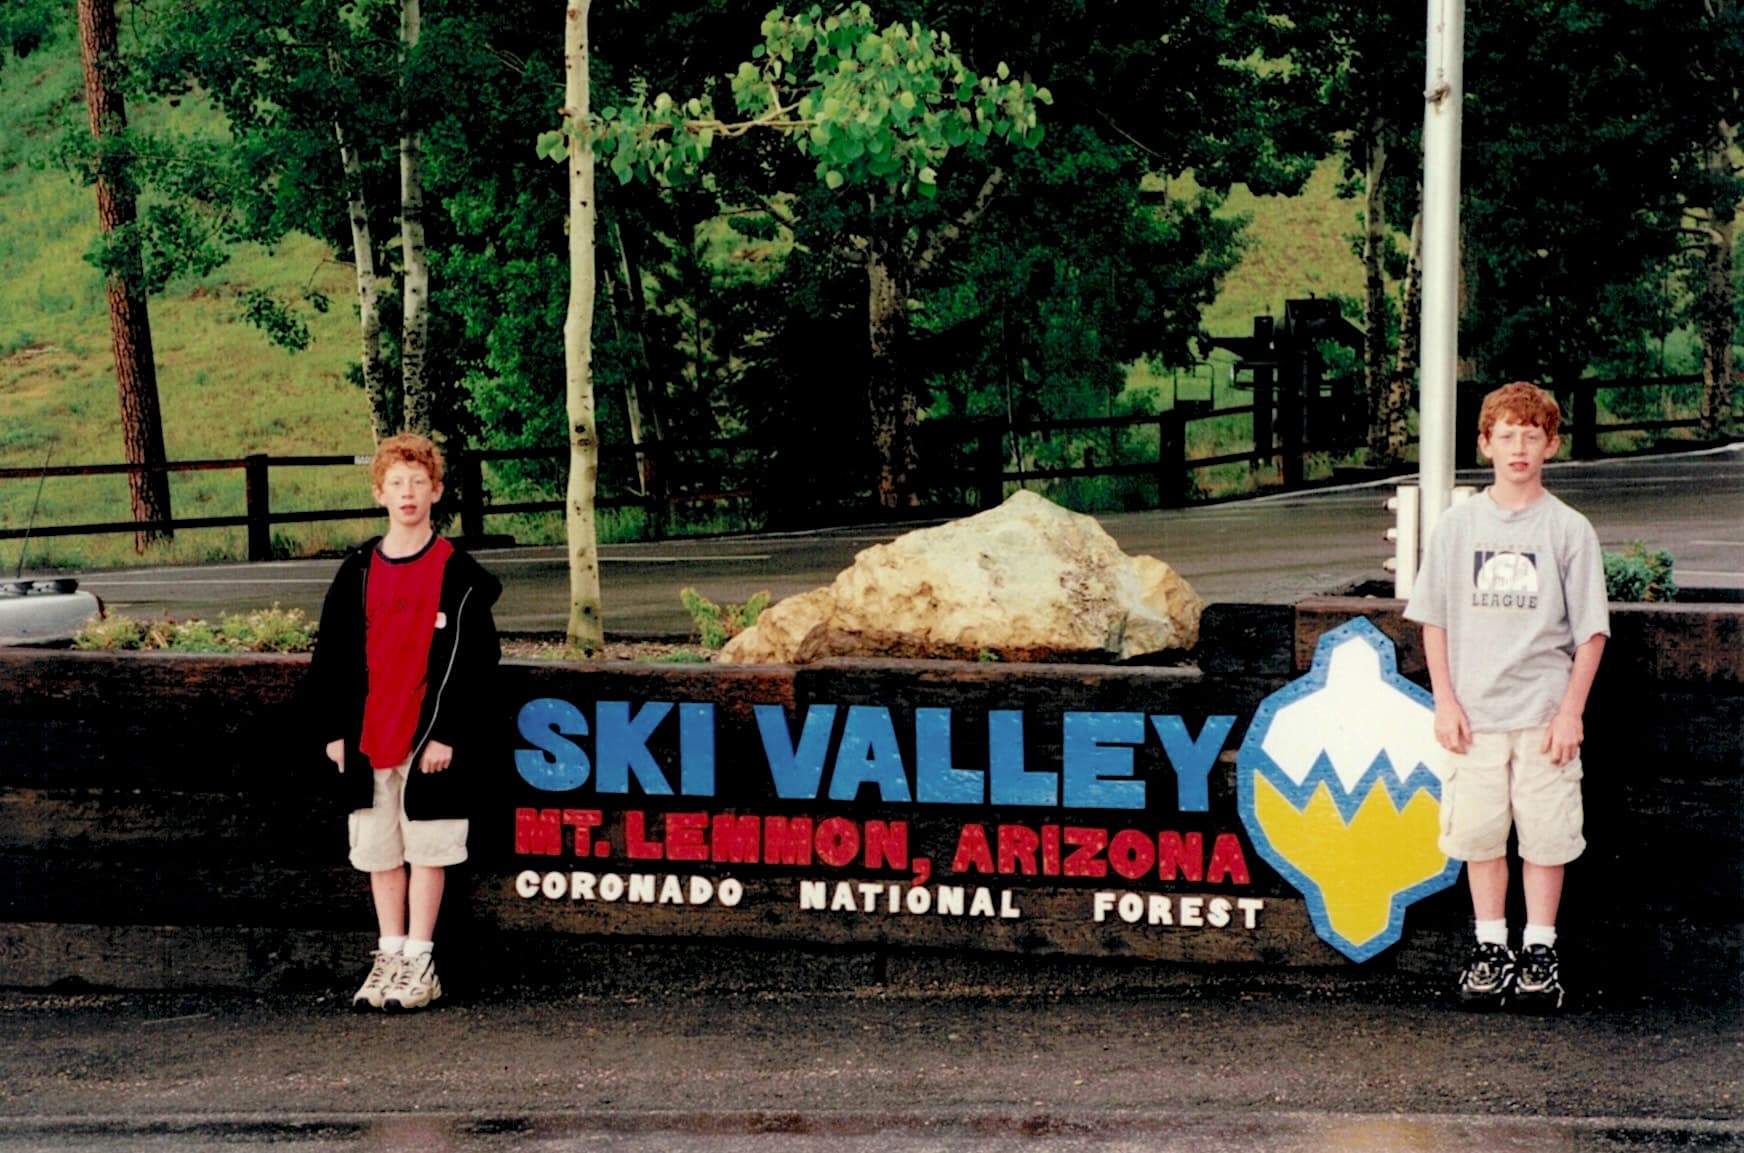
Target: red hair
column 1523, row 404
column 406, row 448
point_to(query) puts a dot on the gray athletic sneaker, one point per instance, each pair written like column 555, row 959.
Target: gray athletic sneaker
column 1538, row 985
column 414, row 985
column 381, row 974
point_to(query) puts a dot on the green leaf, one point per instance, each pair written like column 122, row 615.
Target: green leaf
column 759, row 52
column 928, row 177
column 834, row 180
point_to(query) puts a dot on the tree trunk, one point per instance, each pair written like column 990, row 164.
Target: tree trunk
column 415, row 392
column 639, row 402
column 383, row 420
column 129, row 323
column 1398, row 406
column 586, row 628
column 1376, row 384
column 1715, row 309
column 892, row 403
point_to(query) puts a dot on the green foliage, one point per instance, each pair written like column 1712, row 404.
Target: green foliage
column 1635, row 575
column 878, row 108
column 718, row 624
column 273, row 630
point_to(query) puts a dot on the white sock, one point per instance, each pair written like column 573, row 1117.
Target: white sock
column 1539, row 935
column 416, row 948
column 1493, row 932
column 391, row 945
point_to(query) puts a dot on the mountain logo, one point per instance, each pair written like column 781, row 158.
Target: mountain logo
column 1337, row 782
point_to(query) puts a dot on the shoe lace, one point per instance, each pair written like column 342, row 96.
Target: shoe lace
column 382, row 970
column 408, row 973
column 1488, row 960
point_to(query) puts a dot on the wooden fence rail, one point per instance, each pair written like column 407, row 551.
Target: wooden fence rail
column 973, row 460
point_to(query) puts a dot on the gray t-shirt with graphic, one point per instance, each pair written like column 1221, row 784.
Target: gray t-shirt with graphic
column 1518, row 590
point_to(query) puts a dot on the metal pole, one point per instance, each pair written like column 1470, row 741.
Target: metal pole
column 1444, row 88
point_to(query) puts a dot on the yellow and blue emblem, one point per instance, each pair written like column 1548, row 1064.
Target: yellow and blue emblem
column 1338, row 785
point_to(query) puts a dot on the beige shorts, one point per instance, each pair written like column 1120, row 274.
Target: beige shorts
column 383, row 837
column 1501, row 780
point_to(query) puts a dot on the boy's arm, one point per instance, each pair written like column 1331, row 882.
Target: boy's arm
column 1452, row 729
column 1562, row 740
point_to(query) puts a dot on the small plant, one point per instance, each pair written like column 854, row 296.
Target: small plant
column 718, row 624
column 273, row 630
column 1633, row 574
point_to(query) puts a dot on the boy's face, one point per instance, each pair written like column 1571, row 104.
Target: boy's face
column 408, row 493
column 1518, row 452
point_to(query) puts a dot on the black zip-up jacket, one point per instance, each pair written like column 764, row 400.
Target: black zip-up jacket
column 458, row 698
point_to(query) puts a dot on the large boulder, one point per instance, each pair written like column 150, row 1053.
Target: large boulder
column 1026, row 581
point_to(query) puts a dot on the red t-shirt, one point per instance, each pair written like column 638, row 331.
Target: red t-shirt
column 401, row 607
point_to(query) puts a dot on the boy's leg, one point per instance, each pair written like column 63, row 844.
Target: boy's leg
column 1548, row 813
column 427, row 884
column 388, row 887
column 1543, row 885
column 431, row 846
column 1489, row 888
column 1475, row 819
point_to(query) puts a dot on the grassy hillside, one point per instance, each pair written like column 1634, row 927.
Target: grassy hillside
column 225, row 391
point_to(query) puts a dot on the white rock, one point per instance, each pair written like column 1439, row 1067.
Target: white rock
column 1028, row 580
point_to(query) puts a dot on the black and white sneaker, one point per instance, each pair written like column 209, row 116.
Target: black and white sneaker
column 1538, row 985
column 1488, row 977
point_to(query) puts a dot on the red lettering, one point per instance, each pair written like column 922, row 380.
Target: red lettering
column 1227, row 858
column 584, row 822
column 973, row 851
column 684, row 836
column 1131, row 854
column 636, row 841
column 1178, row 858
column 838, row 841
column 1051, row 850
column 887, row 844
column 734, row 840
column 787, row 842
column 1085, row 858
column 539, row 832
column 1017, row 849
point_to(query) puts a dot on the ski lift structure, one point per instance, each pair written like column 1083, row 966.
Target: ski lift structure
column 1296, row 408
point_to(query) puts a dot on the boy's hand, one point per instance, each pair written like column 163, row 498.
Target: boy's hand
column 1562, row 738
column 1452, row 730
column 436, row 757
column 336, row 754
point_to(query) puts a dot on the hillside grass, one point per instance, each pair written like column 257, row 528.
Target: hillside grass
column 225, row 391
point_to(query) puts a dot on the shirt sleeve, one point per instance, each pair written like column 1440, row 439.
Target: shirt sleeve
column 1589, row 611
column 1428, row 603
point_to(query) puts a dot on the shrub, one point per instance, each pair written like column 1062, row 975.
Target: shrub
column 1634, row 574
column 718, row 624
column 273, row 630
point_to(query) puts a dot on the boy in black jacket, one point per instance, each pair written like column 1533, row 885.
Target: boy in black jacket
column 399, row 676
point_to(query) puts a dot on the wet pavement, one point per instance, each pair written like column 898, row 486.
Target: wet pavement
column 1375, row 1065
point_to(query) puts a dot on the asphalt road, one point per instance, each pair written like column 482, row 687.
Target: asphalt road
column 1267, row 550
column 1215, row 1069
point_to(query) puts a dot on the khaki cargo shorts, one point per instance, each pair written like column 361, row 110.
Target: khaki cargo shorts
column 1501, row 780
column 383, row 837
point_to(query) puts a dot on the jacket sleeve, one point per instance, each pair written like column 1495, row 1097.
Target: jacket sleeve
column 473, row 692
column 330, row 686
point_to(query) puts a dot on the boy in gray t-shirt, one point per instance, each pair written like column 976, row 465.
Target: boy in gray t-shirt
column 1511, row 597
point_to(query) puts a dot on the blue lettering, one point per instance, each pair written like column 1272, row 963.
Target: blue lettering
column 1192, row 759
column 936, row 780
column 553, row 764
column 1012, row 784
column 868, row 754
column 621, row 745
column 795, row 771
column 1096, row 756
column 696, row 750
